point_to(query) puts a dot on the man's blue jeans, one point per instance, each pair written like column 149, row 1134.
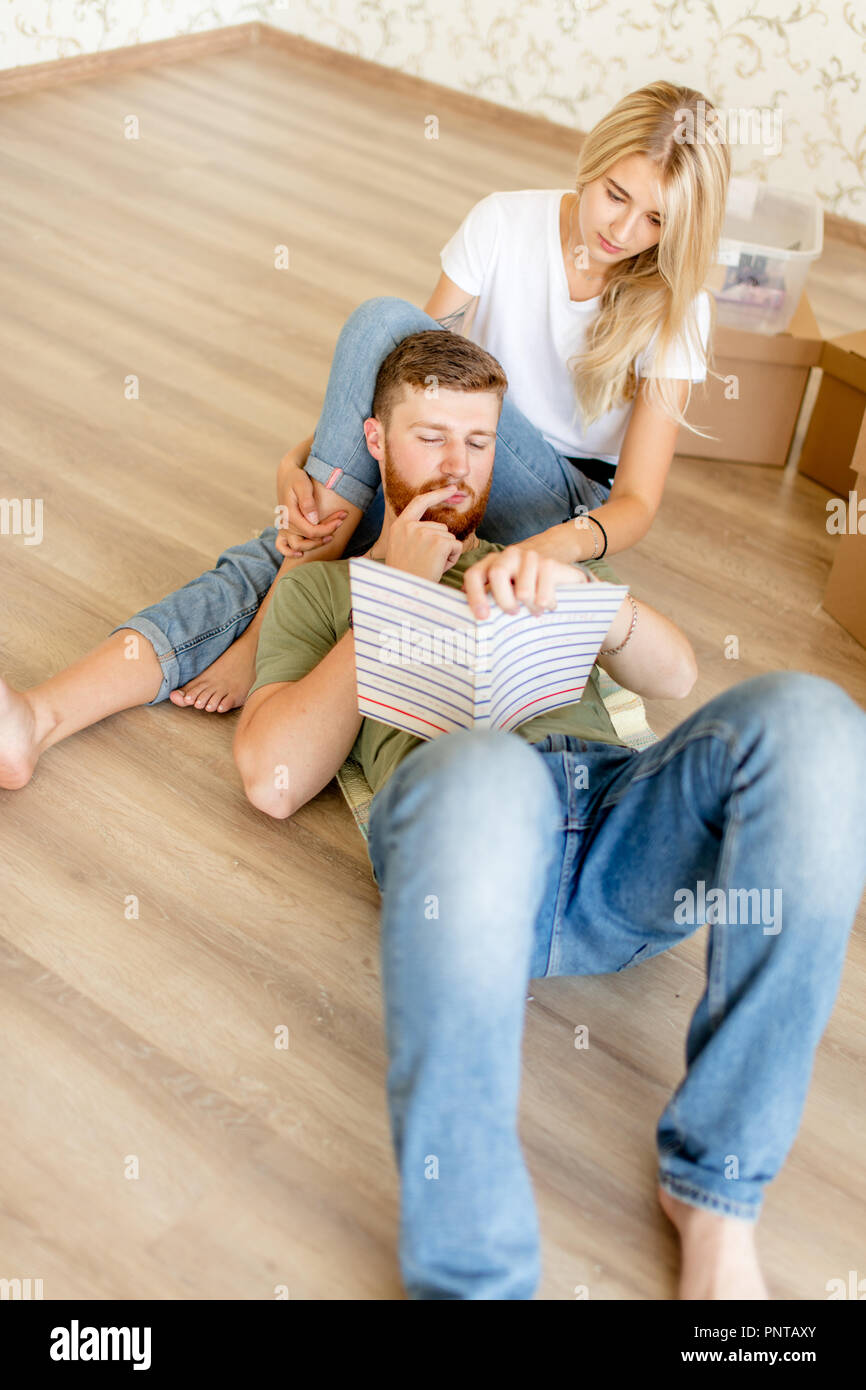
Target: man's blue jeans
column 499, row 861
column 533, row 489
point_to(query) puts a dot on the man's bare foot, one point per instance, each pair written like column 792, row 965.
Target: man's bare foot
column 719, row 1258
column 225, row 684
column 19, row 745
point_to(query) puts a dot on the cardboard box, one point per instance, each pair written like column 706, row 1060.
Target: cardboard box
column 837, row 415
column 845, row 595
column 772, row 372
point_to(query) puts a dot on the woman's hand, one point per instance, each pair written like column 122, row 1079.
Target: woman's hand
column 298, row 527
column 517, row 575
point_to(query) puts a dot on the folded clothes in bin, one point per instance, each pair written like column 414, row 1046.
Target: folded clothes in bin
column 755, row 281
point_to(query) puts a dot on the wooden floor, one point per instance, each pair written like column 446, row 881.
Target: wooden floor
column 154, row 1037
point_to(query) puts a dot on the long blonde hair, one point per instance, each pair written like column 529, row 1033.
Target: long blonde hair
column 656, row 289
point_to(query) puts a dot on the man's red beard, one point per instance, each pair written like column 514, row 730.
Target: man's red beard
column 461, row 520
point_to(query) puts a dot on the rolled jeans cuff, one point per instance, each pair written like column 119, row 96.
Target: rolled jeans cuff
column 721, row 1205
column 337, row 480
column 164, row 651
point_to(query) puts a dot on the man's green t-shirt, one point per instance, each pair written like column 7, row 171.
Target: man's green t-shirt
column 309, row 613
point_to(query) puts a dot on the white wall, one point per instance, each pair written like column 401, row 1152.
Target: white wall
column 568, row 60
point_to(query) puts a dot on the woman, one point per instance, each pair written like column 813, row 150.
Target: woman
column 574, row 284
column 592, row 302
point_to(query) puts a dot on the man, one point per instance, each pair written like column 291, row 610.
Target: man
column 557, row 850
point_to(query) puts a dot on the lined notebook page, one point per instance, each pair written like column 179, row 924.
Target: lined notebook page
column 425, row 664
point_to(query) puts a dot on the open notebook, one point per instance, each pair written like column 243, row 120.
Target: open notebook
column 425, row 664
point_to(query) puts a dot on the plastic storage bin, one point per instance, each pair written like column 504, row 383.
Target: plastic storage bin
column 770, row 238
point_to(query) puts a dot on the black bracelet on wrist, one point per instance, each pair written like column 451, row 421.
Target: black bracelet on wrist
column 603, row 532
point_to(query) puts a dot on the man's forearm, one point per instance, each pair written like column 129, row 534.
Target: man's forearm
column 658, row 660
column 289, row 746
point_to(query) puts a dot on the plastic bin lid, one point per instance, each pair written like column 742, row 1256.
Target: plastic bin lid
column 781, row 222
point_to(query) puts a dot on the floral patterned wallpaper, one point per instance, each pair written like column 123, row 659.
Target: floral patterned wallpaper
column 786, row 74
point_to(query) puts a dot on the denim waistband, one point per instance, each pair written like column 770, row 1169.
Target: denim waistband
column 558, row 743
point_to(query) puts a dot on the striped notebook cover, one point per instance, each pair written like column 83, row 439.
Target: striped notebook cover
column 426, row 665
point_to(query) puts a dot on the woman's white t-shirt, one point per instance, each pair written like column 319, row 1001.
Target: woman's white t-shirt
column 507, row 250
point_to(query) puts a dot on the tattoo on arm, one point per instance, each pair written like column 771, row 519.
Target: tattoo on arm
column 454, row 320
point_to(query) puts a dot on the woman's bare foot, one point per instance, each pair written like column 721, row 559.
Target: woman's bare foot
column 719, row 1258
column 225, row 684
column 19, row 742
column 120, row 673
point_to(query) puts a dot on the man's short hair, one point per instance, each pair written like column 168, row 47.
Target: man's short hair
column 432, row 359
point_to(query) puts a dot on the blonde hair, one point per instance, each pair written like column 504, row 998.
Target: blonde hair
column 657, row 288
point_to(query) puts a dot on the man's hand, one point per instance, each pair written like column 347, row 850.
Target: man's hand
column 298, row 527
column 516, row 576
column 424, row 548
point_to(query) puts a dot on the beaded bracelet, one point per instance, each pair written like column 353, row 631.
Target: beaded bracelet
column 612, row 651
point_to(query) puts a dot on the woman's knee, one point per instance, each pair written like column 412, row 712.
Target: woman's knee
column 388, row 316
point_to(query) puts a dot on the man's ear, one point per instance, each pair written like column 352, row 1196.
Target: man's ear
column 374, row 434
